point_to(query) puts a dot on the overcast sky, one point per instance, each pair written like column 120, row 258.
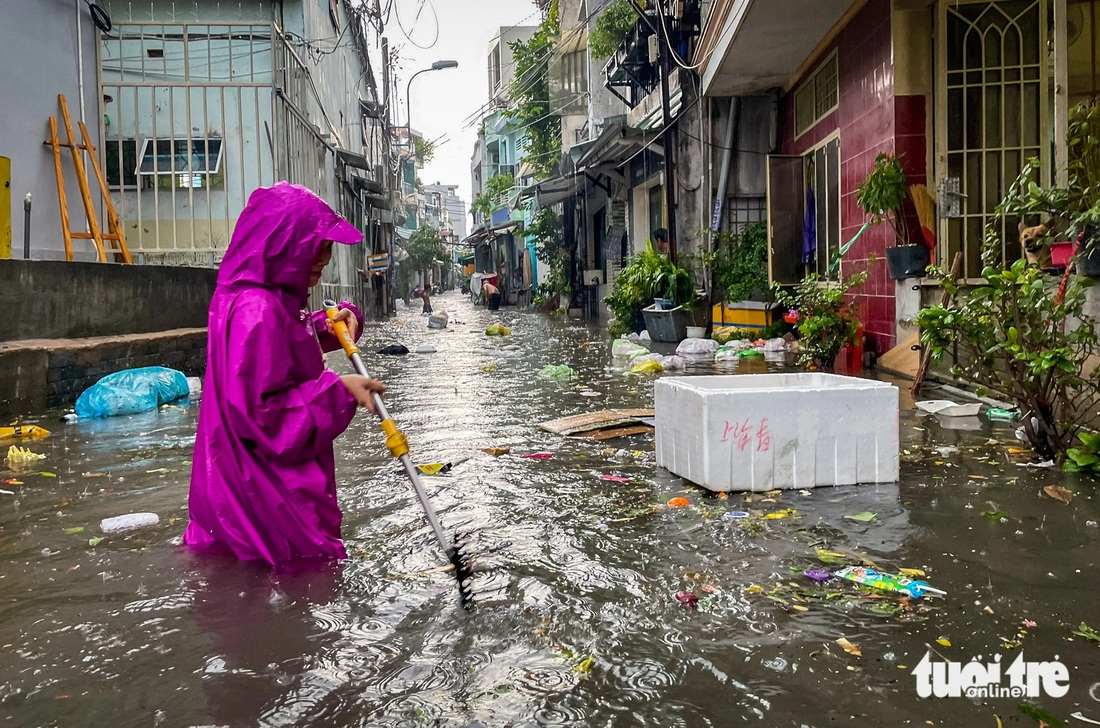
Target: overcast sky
column 442, row 100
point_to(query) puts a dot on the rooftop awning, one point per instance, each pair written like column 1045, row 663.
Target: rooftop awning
column 476, row 237
column 616, row 145
column 554, row 190
column 749, row 46
column 505, row 227
column 353, row 159
column 404, row 232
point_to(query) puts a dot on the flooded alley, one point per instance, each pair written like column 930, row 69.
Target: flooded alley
column 578, row 620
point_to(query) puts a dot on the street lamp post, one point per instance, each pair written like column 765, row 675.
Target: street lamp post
column 437, row 66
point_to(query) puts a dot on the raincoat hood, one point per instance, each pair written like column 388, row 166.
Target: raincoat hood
column 278, row 237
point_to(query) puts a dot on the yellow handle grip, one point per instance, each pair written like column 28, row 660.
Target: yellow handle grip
column 341, row 329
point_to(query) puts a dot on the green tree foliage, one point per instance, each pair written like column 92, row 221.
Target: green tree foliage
column 611, row 29
column 424, row 149
column 425, row 248
column 531, row 95
column 547, row 231
column 496, row 185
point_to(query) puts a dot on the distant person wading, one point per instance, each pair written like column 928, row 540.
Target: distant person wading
column 491, row 295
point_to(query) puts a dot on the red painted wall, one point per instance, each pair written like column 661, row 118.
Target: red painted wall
column 871, row 119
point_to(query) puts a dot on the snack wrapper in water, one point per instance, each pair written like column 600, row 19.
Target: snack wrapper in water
column 887, row 582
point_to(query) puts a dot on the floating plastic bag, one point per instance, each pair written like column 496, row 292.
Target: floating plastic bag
column 644, row 336
column 425, row 349
column 129, row 522
column 556, row 371
column 674, row 362
column 775, row 345
column 625, row 349
column 497, row 330
column 647, row 367
column 697, row 347
column 194, row 387
column 131, row 391
column 438, row 320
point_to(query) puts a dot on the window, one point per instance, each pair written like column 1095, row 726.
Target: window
column 191, row 159
column 574, row 76
column 120, row 157
column 823, row 178
column 817, row 97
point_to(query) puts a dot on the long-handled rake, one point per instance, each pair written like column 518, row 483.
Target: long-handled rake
column 398, row 445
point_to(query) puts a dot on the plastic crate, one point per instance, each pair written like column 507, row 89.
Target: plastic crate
column 669, row 326
column 756, row 432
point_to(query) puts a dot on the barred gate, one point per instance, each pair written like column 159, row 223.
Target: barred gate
column 188, row 132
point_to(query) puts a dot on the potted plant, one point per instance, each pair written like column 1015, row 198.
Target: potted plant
column 742, row 294
column 826, row 321
column 881, row 198
column 647, row 276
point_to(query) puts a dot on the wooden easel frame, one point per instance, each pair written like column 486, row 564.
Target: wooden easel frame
column 95, row 234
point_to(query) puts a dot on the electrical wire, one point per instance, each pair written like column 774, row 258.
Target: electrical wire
column 672, row 52
column 419, row 10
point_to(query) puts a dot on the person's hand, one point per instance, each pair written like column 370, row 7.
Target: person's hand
column 347, row 317
column 363, row 389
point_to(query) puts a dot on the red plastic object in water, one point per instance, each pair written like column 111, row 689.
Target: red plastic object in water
column 687, row 599
column 538, row 456
column 855, row 350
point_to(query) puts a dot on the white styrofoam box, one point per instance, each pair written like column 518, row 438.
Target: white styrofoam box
column 763, row 431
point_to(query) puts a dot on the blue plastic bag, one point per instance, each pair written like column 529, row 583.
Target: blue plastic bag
column 131, row 391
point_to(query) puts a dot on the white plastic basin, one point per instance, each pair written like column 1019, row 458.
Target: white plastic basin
column 763, row 431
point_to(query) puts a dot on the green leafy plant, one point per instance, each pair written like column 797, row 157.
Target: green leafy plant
column 1087, row 632
column 1085, row 458
column 531, row 95
column 646, row 276
column 826, row 318
column 883, row 193
column 1009, row 335
column 424, row 151
column 550, row 246
column 739, row 263
column 611, row 29
column 483, row 203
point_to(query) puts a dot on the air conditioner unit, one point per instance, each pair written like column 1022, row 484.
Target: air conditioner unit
column 593, row 277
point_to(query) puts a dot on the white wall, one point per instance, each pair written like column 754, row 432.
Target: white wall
column 39, row 54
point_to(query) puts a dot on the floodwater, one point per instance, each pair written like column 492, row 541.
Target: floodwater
column 577, row 623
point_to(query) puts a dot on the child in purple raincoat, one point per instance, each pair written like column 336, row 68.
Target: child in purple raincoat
column 263, row 483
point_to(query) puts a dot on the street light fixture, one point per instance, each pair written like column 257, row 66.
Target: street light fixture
column 437, row 66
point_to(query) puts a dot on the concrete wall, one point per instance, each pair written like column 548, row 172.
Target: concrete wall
column 43, row 374
column 29, row 86
column 58, row 300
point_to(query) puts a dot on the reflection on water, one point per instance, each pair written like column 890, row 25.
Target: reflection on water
column 577, row 623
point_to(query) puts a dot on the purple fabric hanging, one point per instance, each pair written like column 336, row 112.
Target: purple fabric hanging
column 809, row 230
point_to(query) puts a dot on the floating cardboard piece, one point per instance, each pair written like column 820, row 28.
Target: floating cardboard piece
column 613, row 433
column 592, row 421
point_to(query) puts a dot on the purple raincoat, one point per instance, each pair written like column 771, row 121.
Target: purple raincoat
column 263, row 482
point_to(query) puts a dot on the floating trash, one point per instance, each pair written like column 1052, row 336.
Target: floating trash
column 22, row 456
column 128, row 522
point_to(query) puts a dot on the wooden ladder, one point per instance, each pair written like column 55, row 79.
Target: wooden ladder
column 114, row 229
